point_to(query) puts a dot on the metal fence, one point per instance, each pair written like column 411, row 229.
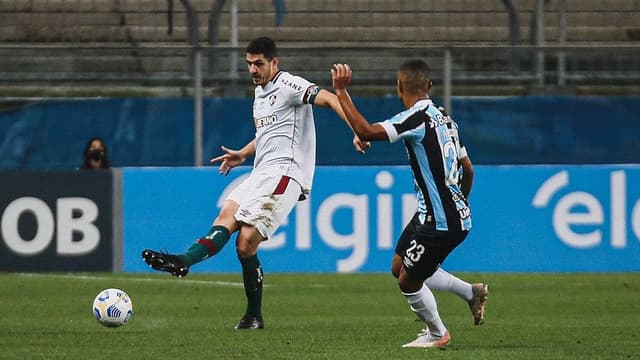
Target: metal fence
column 222, row 70
column 173, row 65
column 46, row 71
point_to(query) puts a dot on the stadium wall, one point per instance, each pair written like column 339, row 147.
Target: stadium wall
column 551, row 218
column 159, row 132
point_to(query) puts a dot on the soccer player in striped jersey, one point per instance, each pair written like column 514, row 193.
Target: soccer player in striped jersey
column 283, row 169
column 474, row 294
column 443, row 219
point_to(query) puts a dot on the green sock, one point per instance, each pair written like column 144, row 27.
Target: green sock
column 206, row 246
column 252, row 276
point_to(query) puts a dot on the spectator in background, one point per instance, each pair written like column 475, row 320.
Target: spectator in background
column 95, row 155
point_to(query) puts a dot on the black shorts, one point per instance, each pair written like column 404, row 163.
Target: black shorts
column 423, row 248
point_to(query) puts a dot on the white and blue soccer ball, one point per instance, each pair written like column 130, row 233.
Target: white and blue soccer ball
column 112, row 307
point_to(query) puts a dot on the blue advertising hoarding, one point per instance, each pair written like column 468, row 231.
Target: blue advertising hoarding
column 525, row 218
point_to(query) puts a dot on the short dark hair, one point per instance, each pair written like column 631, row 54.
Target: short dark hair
column 416, row 76
column 263, row 45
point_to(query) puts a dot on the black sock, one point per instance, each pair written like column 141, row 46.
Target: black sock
column 252, row 276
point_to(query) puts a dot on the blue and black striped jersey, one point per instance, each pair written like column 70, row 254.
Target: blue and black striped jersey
column 433, row 146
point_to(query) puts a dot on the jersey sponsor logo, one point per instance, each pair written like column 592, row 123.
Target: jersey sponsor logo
column 265, row 121
column 456, row 196
column 292, row 85
column 439, row 120
column 464, row 213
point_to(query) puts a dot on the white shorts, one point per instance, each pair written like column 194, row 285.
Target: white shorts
column 265, row 201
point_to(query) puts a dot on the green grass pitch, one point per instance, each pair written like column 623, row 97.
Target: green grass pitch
column 317, row 316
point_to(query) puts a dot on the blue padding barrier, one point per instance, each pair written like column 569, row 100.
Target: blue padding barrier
column 159, row 132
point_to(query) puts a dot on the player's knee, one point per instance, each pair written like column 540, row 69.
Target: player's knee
column 244, row 252
column 396, row 265
column 246, row 248
column 408, row 285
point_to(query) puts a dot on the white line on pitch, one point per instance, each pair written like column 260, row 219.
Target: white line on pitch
column 134, row 279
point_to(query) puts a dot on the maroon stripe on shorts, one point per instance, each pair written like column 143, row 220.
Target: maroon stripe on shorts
column 282, row 185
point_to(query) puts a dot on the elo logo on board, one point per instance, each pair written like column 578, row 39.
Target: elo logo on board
column 73, row 214
column 592, row 212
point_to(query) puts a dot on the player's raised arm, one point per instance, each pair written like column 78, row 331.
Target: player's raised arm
column 341, row 76
column 232, row 158
column 330, row 100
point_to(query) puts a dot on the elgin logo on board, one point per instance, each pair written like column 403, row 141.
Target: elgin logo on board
column 583, row 209
column 73, row 215
column 369, row 217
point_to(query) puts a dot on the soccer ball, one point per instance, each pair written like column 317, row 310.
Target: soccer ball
column 112, row 307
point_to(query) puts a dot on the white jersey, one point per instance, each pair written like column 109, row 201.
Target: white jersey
column 285, row 129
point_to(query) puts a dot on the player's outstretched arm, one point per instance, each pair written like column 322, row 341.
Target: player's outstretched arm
column 330, row 100
column 233, row 158
column 341, row 76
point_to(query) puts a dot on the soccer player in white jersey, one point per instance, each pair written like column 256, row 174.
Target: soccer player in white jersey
column 443, row 219
column 283, row 168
